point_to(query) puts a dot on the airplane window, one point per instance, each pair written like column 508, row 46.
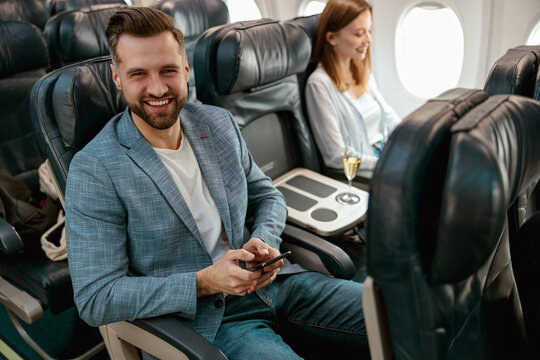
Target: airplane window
column 429, row 49
column 243, row 10
column 534, row 37
column 311, row 7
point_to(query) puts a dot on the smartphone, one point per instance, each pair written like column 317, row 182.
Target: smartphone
column 269, row 262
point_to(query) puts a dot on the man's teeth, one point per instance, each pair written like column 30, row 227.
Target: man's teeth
column 158, row 103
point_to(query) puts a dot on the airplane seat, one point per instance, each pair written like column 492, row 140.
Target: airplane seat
column 193, row 18
column 250, row 69
column 31, row 286
column 58, row 6
column 402, row 219
column 516, row 72
column 69, row 107
column 32, row 11
column 79, row 34
column 442, row 266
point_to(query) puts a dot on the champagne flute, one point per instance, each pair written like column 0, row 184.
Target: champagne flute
column 351, row 162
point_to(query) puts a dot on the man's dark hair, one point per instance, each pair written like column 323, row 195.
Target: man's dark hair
column 140, row 21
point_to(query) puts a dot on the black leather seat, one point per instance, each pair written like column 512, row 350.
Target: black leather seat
column 58, row 6
column 516, row 72
column 193, row 18
column 438, row 249
column 32, row 11
column 31, row 285
column 79, row 34
column 250, row 69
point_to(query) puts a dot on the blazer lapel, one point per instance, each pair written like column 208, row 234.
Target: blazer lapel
column 200, row 139
column 146, row 158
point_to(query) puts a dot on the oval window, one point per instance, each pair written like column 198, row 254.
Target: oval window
column 534, row 36
column 312, row 7
column 429, row 49
column 243, row 10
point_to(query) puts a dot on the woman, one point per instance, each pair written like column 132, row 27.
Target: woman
column 343, row 100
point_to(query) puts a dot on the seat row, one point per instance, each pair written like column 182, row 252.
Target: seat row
column 267, row 100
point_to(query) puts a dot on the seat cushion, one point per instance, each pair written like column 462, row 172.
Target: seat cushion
column 48, row 281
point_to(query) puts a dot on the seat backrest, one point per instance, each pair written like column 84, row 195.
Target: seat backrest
column 437, row 232
column 20, row 155
column 193, row 18
column 64, row 124
column 58, row 6
column 405, row 196
column 32, row 11
column 79, row 34
column 250, row 69
column 495, row 158
column 516, row 72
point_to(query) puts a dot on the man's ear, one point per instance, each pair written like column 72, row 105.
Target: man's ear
column 331, row 38
column 116, row 77
column 186, row 68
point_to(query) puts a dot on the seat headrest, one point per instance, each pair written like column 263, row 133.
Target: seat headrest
column 79, row 34
column 32, row 11
column 79, row 121
column 22, row 48
column 194, row 17
column 309, row 24
column 254, row 56
column 58, row 6
column 494, row 157
column 515, row 72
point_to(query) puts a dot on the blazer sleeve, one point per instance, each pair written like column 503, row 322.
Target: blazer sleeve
column 98, row 260
column 265, row 203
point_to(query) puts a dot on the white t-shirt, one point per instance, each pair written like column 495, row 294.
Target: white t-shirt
column 371, row 112
column 186, row 173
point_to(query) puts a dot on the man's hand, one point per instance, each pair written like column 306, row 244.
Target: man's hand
column 228, row 277
column 263, row 252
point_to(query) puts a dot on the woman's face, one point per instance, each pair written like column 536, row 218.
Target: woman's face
column 353, row 40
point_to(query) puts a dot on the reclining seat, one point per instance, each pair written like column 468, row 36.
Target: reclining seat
column 447, row 283
column 32, row 11
column 518, row 72
column 31, row 286
column 69, row 107
column 403, row 212
column 193, row 18
column 79, row 34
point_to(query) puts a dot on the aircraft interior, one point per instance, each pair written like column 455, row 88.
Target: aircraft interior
column 443, row 233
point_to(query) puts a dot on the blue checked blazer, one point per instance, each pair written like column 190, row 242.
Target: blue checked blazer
column 133, row 245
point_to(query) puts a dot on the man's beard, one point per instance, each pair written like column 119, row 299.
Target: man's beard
column 159, row 121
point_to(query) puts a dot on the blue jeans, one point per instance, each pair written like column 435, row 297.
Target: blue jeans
column 316, row 315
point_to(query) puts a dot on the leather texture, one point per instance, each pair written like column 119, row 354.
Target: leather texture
column 20, row 155
column 17, row 38
column 33, row 11
column 261, row 85
column 427, row 319
column 193, row 18
column 58, row 6
column 516, row 72
column 55, row 104
column 79, row 34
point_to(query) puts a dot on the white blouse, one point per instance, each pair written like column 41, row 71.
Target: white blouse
column 334, row 116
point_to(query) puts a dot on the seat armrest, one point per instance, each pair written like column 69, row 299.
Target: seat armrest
column 10, row 241
column 316, row 253
column 176, row 333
